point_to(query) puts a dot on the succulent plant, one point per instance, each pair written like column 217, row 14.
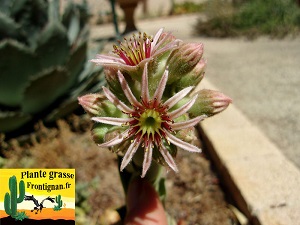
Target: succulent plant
column 11, row 199
column 43, row 61
column 59, row 203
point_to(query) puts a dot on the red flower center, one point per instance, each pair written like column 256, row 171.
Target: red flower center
column 150, row 122
column 135, row 50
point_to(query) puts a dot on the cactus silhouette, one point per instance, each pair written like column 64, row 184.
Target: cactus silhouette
column 11, row 200
column 59, row 203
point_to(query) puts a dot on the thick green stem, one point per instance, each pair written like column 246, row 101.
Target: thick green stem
column 58, row 201
column 11, row 200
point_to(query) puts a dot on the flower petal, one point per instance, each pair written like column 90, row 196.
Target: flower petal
column 145, row 88
column 168, row 42
column 147, row 160
column 112, row 62
column 161, row 86
column 177, row 97
column 106, row 59
column 113, row 99
column 156, row 37
column 168, row 158
column 112, row 120
column 188, row 123
column 170, row 46
column 183, row 109
column 182, row 144
column 127, row 91
column 129, row 153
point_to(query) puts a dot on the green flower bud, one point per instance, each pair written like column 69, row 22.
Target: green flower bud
column 183, row 60
column 192, row 78
column 209, row 103
column 91, row 103
column 98, row 105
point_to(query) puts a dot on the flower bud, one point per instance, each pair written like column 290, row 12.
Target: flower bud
column 184, row 59
column 192, row 78
column 209, row 103
column 98, row 105
column 91, row 103
column 157, row 65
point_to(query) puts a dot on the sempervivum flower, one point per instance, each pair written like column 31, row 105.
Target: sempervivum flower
column 132, row 54
column 150, row 122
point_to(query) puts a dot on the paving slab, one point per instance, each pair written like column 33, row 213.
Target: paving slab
column 262, row 181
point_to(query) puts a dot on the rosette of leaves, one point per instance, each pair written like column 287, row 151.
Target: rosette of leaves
column 43, row 61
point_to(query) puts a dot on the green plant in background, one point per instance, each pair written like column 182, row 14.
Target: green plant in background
column 59, row 203
column 11, row 200
column 43, row 61
column 83, row 193
column 272, row 17
column 187, row 7
column 218, row 15
column 251, row 18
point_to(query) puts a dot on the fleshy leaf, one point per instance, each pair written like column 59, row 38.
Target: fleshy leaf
column 64, row 109
column 74, row 27
column 10, row 121
column 53, row 10
column 44, row 89
column 76, row 63
column 13, row 77
column 16, row 6
column 53, row 45
column 8, row 27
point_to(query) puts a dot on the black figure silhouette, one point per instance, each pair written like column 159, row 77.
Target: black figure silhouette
column 38, row 206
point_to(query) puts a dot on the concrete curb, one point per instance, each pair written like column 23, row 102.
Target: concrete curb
column 262, row 182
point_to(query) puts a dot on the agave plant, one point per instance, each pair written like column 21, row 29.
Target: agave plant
column 43, row 60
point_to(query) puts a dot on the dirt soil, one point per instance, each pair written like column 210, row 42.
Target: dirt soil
column 194, row 195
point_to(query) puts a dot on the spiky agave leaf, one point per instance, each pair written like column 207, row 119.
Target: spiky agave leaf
column 44, row 89
column 14, row 78
column 12, row 120
column 53, row 45
column 52, row 51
